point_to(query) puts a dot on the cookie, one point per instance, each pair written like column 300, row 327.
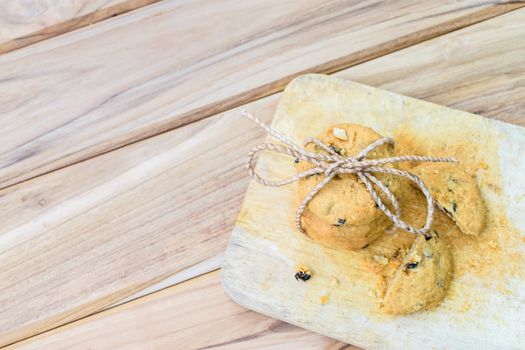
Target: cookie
column 385, row 255
column 342, row 214
column 422, row 278
column 338, row 237
column 456, row 193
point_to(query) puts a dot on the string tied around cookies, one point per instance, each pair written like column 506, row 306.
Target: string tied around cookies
column 333, row 163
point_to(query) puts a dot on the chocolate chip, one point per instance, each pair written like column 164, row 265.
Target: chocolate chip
column 336, row 149
column 303, row 276
column 412, row 265
column 340, row 222
column 297, row 160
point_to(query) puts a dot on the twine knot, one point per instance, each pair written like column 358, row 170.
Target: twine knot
column 333, row 163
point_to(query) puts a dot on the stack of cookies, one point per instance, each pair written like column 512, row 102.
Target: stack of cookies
column 343, row 215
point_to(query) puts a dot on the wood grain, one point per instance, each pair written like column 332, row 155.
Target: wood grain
column 99, row 231
column 79, row 95
column 23, row 23
column 118, row 228
column 186, row 316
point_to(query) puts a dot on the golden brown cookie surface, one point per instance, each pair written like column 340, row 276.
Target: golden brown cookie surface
column 422, row 278
column 456, row 193
column 337, row 237
column 343, row 215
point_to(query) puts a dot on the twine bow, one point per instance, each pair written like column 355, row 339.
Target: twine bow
column 332, row 163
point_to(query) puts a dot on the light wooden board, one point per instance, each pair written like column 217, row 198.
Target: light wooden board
column 23, row 23
column 483, row 310
column 189, row 316
column 70, row 192
column 139, row 74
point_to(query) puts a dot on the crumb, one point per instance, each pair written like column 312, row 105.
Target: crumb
column 381, row 260
column 466, row 307
column 493, row 244
column 483, row 165
column 323, row 299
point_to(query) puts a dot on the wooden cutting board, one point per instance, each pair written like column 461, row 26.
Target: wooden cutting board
column 485, row 305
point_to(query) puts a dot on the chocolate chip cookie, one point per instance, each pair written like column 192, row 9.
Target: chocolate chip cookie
column 343, row 215
column 456, row 193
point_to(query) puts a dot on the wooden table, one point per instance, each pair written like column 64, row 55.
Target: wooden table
column 121, row 162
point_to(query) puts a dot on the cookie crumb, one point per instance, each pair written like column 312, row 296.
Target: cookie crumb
column 381, row 260
column 493, row 244
column 323, row 299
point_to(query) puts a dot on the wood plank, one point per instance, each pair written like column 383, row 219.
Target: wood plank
column 23, row 23
column 139, row 74
column 94, row 233
column 118, row 228
column 211, row 264
column 186, row 316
